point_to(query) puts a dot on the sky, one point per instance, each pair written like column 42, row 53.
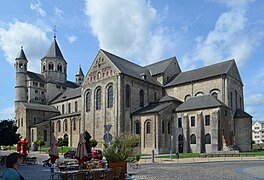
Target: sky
column 198, row 33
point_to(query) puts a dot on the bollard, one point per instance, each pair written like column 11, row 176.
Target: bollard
column 152, row 155
column 170, row 155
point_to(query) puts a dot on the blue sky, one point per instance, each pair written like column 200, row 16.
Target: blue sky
column 198, row 33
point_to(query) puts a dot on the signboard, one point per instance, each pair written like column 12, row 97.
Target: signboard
column 108, row 137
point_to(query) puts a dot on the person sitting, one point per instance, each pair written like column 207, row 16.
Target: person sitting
column 13, row 162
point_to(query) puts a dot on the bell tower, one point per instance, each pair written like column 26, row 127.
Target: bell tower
column 79, row 76
column 21, row 75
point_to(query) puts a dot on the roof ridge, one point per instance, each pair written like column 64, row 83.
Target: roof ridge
column 161, row 61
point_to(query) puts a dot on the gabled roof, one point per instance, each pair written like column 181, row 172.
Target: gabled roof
column 69, row 84
column 54, row 50
column 36, row 77
column 21, row 55
column 241, row 114
column 79, row 72
column 130, row 69
column 202, row 73
column 169, row 98
column 161, row 66
column 70, row 94
column 39, row 107
column 152, row 108
column 200, row 102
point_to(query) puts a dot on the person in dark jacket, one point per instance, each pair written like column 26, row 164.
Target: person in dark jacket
column 13, row 162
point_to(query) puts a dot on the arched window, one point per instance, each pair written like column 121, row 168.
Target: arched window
column 193, row 139
column 148, row 127
column 65, row 125
column 18, row 122
column 127, row 96
column 88, row 101
column 69, row 108
column 199, row 94
column 59, row 126
column 76, row 106
column 44, row 67
column 137, row 128
column 74, row 124
column 141, row 98
column 21, row 122
column 52, row 127
column 179, row 122
column 51, row 66
column 180, row 138
column 215, row 95
column 45, row 135
column 163, row 127
column 62, row 109
column 188, row 96
column 110, row 97
column 208, row 139
column 236, row 98
column 98, row 75
column 169, row 127
column 59, row 67
column 98, row 99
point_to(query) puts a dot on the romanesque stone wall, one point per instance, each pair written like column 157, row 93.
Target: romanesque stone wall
column 243, row 133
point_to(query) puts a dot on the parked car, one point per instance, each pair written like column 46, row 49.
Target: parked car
column 70, row 154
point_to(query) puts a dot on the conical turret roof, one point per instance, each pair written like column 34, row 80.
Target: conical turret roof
column 54, row 50
column 21, row 54
column 79, row 72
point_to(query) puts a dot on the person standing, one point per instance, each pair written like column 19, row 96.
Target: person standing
column 13, row 162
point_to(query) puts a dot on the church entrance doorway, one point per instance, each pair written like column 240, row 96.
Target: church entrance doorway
column 180, row 143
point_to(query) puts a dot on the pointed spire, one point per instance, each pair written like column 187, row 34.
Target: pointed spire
column 21, row 54
column 54, row 50
column 80, row 72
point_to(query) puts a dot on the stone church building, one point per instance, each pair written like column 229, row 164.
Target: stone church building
column 201, row 110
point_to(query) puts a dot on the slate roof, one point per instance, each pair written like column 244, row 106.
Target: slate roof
column 66, row 115
column 152, row 108
column 200, row 102
column 22, row 55
column 202, row 73
column 161, row 66
column 71, row 84
column 70, row 94
column 169, row 98
column 40, row 107
column 54, row 50
column 241, row 114
column 79, row 72
column 36, row 77
column 130, row 69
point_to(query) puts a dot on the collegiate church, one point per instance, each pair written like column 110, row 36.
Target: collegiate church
column 201, row 110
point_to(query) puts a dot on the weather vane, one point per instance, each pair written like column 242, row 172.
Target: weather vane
column 54, row 31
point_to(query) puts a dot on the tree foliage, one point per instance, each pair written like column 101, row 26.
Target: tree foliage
column 8, row 135
column 63, row 142
column 93, row 142
column 39, row 143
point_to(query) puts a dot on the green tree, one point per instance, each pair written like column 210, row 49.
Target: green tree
column 63, row 142
column 39, row 143
column 8, row 135
column 93, row 142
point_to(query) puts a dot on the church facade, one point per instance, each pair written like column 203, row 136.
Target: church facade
column 201, row 110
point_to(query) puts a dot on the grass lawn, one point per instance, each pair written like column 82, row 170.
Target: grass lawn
column 187, row 155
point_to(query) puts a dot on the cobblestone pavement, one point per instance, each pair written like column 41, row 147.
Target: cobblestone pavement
column 205, row 171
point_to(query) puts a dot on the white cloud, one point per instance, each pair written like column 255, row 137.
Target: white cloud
column 230, row 38
column 71, row 38
column 7, row 113
column 37, row 7
column 132, row 29
column 58, row 12
column 32, row 38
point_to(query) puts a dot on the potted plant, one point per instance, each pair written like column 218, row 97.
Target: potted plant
column 119, row 151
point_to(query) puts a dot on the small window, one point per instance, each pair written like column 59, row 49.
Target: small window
column 137, row 128
column 180, row 138
column 207, row 139
column 36, row 91
column 207, row 120
column 59, row 126
column 193, row 139
column 188, row 96
column 45, row 135
column 192, row 121
column 163, row 127
column 110, row 97
column 62, row 109
column 34, row 120
column 65, row 125
column 76, row 106
column 98, row 99
column 215, row 95
column 179, row 122
column 69, row 108
column 128, row 96
column 74, row 124
column 88, row 101
column 41, row 85
column 21, row 122
column 169, row 127
column 32, row 135
column 148, row 128
column 141, row 98
column 52, row 127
